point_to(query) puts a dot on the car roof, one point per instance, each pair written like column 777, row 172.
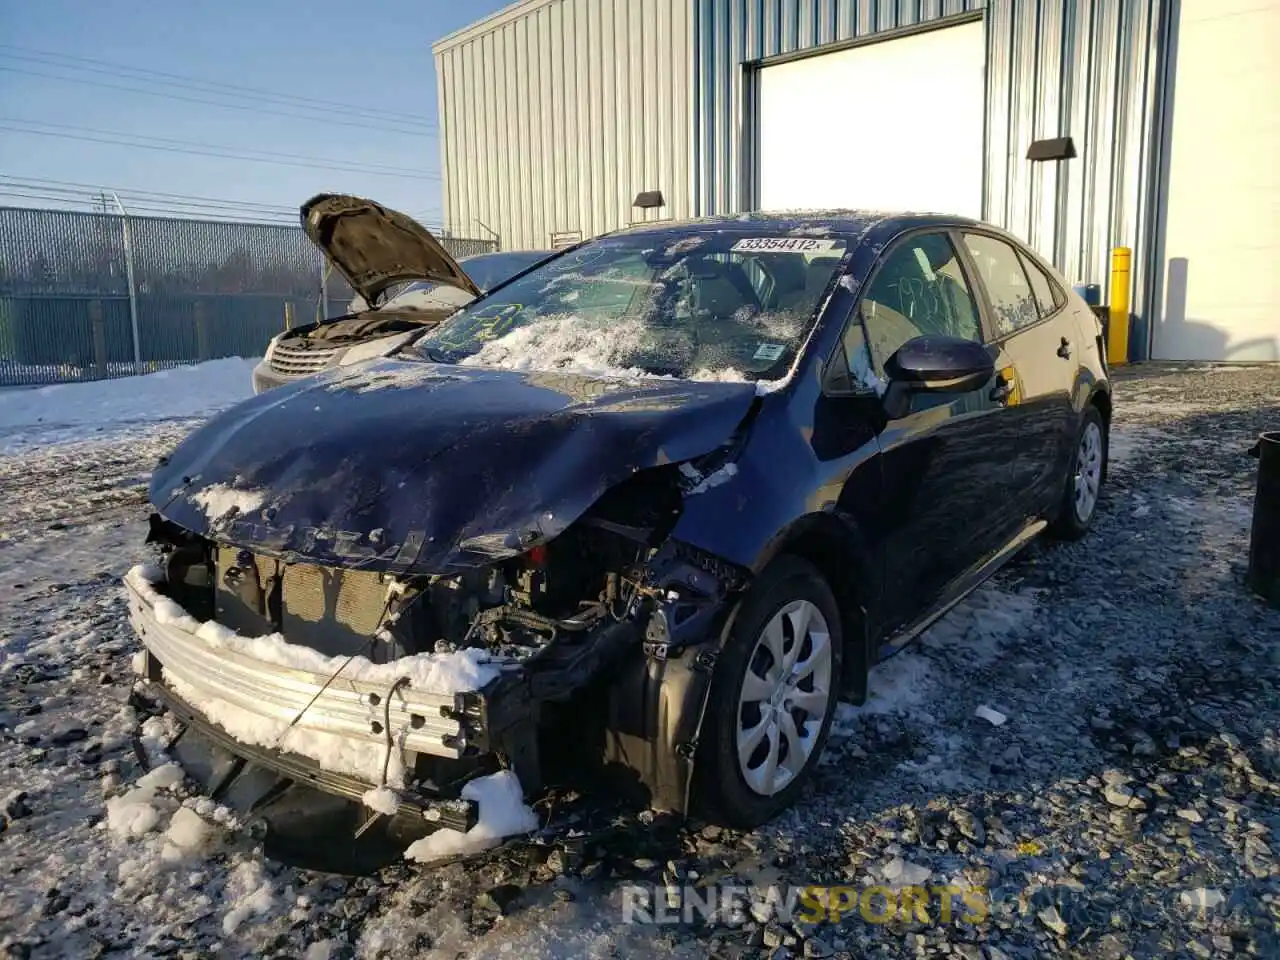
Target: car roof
column 865, row 223
column 506, row 253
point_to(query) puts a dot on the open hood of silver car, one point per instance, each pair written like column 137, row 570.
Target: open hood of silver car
column 375, row 248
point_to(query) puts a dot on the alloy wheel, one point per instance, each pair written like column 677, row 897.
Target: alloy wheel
column 784, row 699
column 1088, row 478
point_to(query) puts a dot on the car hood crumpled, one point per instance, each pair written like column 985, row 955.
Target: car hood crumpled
column 405, row 465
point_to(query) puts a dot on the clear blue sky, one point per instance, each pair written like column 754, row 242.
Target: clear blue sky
column 374, row 54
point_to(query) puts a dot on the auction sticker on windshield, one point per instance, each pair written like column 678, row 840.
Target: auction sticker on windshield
column 783, row 245
column 769, row 351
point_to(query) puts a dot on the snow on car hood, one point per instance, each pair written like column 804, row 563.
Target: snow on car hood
column 406, row 465
column 375, row 247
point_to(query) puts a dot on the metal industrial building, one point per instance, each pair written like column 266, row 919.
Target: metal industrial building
column 555, row 114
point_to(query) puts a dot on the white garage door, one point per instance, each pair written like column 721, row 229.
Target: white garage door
column 1222, row 240
column 895, row 125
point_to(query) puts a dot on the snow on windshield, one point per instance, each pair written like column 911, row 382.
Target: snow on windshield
column 723, row 305
column 577, row 344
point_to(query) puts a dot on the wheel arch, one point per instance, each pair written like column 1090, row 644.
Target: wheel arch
column 835, row 548
column 1100, row 398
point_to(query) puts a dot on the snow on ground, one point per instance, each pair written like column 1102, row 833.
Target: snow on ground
column 78, row 411
column 1126, row 806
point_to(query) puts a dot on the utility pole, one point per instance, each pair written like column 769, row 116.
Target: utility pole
column 133, row 288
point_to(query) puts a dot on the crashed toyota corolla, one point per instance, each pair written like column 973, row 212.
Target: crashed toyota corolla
column 655, row 505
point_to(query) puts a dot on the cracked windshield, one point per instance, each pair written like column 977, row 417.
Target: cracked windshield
column 713, row 306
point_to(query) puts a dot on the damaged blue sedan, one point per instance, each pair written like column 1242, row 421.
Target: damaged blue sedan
column 656, row 505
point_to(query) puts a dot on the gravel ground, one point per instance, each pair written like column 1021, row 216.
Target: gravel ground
column 1127, row 806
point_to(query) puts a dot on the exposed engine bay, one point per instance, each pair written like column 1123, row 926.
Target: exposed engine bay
column 516, row 608
column 596, row 614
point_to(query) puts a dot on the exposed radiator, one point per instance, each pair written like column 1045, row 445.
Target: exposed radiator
column 331, row 610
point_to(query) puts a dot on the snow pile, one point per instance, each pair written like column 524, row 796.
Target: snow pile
column 502, row 813
column 138, row 812
column 381, row 800
column 567, row 342
column 83, row 409
column 219, row 500
column 574, row 344
column 250, row 894
column 189, row 835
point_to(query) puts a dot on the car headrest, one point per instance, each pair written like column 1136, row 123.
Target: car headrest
column 819, row 273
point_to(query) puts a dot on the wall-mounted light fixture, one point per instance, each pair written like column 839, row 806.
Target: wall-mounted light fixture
column 648, row 199
column 1059, row 148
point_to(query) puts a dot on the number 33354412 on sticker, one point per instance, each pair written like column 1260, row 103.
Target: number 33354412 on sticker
column 782, row 245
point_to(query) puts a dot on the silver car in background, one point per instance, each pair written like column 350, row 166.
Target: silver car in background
column 404, row 280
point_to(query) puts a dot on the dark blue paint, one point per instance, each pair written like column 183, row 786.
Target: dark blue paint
column 448, row 455
column 404, row 476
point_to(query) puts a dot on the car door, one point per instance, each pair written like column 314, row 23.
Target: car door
column 942, row 469
column 1037, row 357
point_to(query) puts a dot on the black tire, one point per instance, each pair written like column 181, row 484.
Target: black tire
column 1069, row 523
column 722, row 790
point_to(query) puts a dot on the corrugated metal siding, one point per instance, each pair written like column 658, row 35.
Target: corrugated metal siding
column 1087, row 68
column 556, row 113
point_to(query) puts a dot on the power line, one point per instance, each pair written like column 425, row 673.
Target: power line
column 193, row 148
column 70, row 205
column 111, row 68
column 136, row 203
column 45, row 182
column 230, row 106
column 91, row 195
column 207, row 146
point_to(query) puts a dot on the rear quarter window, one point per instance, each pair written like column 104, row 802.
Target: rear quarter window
column 1012, row 298
column 1049, row 296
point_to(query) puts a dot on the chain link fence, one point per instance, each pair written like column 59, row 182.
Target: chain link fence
column 84, row 296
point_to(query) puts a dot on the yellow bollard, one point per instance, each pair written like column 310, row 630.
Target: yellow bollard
column 1118, row 309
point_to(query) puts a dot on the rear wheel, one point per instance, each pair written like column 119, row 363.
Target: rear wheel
column 773, row 696
column 1084, row 480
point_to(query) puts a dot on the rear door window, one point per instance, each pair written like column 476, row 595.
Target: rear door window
column 1012, row 298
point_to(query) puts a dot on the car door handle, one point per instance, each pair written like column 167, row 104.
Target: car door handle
column 1064, row 349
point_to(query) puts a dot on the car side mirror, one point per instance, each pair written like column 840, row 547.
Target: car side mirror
column 937, row 364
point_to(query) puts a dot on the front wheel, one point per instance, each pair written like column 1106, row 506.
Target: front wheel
column 1084, row 481
column 773, row 696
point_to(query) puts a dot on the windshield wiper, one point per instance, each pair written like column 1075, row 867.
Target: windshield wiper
column 435, row 355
